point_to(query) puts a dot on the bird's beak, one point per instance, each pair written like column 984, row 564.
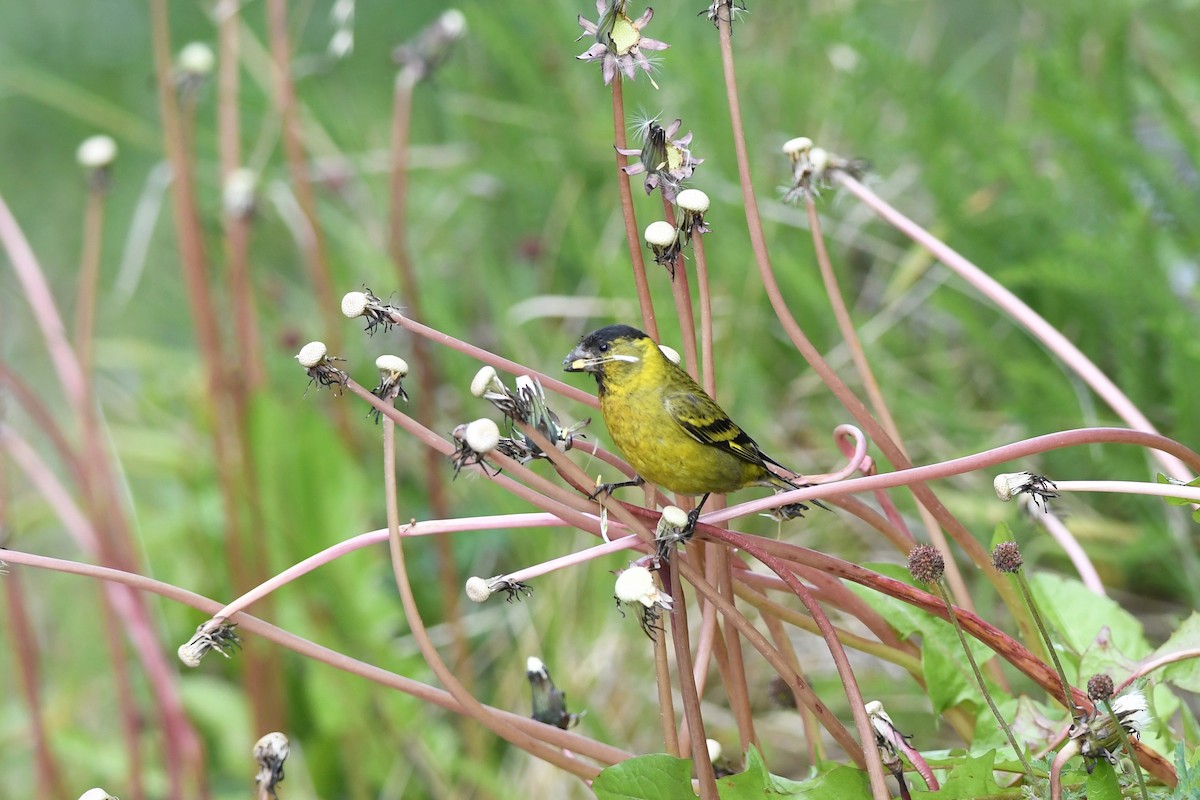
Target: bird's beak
column 580, row 360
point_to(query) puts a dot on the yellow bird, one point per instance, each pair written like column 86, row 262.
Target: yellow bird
column 671, row 432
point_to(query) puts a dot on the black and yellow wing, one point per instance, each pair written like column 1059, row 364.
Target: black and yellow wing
column 702, row 419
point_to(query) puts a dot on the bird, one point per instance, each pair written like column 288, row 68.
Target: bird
column 669, row 430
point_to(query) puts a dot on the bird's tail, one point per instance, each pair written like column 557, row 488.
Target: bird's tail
column 784, row 483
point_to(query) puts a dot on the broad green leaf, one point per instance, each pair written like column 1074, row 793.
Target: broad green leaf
column 948, row 675
column 840, row 783
column 1184, row 674
column 1078, row 615
column 970, row 779
column 1102, row 784
column 656, row 776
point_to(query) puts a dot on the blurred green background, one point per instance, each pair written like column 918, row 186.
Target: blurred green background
column 1055, row 144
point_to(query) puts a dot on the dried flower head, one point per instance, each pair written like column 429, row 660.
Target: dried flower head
column 195, row 60
column 391, row 370
column 1100, row 687
column 480, row 589
column 475, row 440
column 812, row 166
column 96, row 794
column 271, row 751
column 663, row 240
column 636, row 587
column 1010, row 484
column 780, row 694
column 666, row 161
column 619, row 41
column 377, row 313
column 1007, row 557
column 926, row 564
column 215, row 635
column 419, row 58
column 96, row 152
column 693, row 204
column 239, row 196
column 317, row 362
column 1097, row 735
column 713, row 12
column 526, row 405
column 673, row 529
column 888, row 739
column 549, row 702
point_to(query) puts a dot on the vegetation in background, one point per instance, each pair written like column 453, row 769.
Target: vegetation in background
column 155, row 420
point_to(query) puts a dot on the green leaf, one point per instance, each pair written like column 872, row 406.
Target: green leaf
column 947, row 672
column 1102, row 784
column 972, row 778
column 657, row 776
column 1078, row 616
column 840, row 783
column 1184, row 674
column 1179, row 501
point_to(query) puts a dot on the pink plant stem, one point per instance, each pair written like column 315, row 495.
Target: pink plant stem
column 682, row 294
column 633, row 237
column 708, row 369
column 89, row 274
column 236, row 224
column 1025, row 316
column 181, row 743
column 553, row 384
column 697, row 739
column 869, row 756
column 312, row 245
column 1157, row 663
column 355, row 543
column 443, row 672
column 1070, row 545
column 23, row 647
column 560, row 738
column 971, row 463
column 575, row 559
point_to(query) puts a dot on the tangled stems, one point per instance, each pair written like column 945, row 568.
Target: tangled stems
column 566, row 740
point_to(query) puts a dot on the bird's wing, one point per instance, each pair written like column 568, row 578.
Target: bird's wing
column 703, row 420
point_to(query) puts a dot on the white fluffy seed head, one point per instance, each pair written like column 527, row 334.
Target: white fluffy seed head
column 354, row 304
column 714, row 749
column 484, row 380
column 797, row 147
column 873, row 707
column 660, row 234
column 453, row 22
column 674, row 516
column 196, row 58
column 478, row 589
column 392, row 366
column 238, row 194
column 482, row 435
column 312, row 354
column 636, row 585
column 96, row 794
column 1010, row 484
column 535, row 666
column 96, row 152
column 273, row 748
column 819, row 157
column 671, row 353
column 692, row 200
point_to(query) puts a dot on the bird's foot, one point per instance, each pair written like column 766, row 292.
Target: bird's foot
column 609, row 488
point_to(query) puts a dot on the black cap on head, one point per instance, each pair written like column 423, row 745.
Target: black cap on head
column 611, row 333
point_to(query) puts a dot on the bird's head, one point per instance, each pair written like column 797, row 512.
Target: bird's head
column 608, row 351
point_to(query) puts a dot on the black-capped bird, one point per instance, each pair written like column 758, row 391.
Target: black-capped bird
column 669, row 430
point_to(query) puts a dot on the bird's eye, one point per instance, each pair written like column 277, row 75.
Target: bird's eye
column 603, row 348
